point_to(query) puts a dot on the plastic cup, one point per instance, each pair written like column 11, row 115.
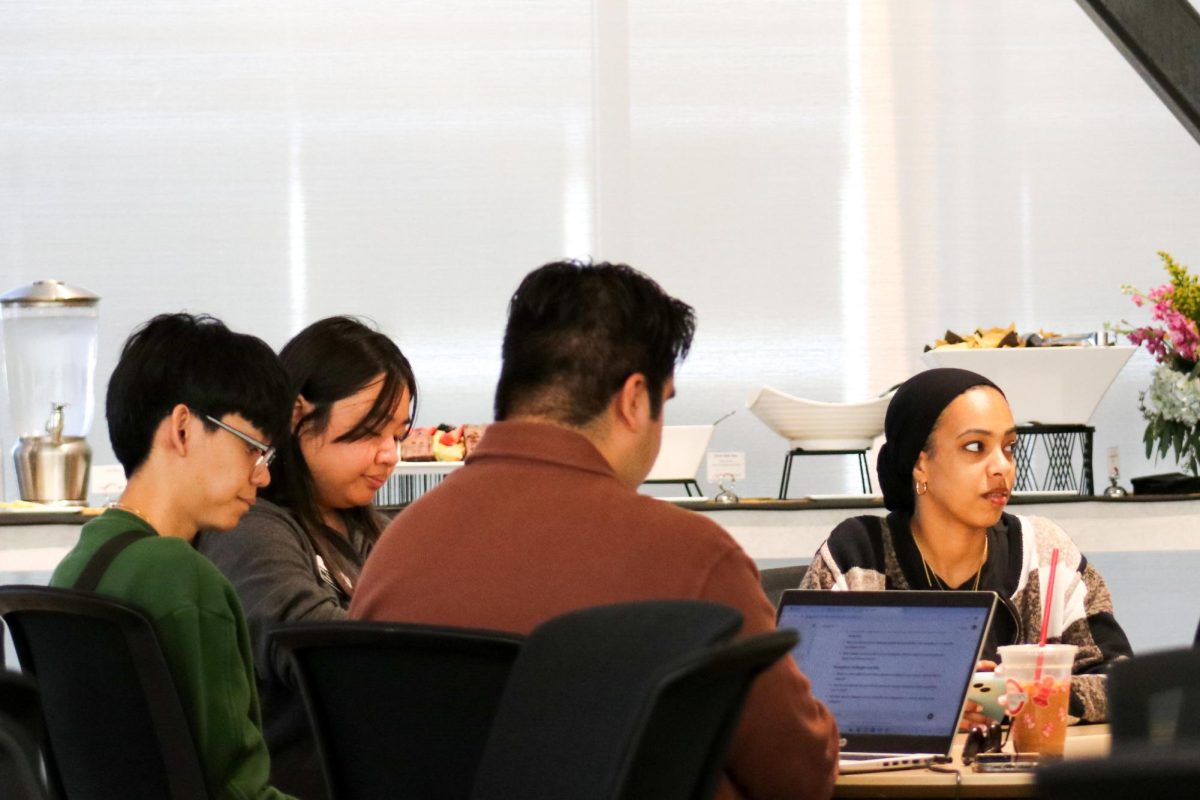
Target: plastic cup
column 1037, row 702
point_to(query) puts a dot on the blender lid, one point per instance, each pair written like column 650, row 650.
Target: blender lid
column 44, row 293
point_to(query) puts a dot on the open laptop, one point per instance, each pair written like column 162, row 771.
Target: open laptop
column 892, row 667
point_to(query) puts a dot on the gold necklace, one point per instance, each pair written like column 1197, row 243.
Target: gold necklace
column 130, row 510
column 931, row 577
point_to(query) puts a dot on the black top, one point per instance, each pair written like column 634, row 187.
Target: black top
column 874, row 553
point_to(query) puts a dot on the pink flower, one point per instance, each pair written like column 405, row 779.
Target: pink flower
column 1154, row 340
column 1179, row 334
column 1184, row 336
column 1163, row 292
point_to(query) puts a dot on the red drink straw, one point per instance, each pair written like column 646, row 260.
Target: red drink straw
column 1037, row 676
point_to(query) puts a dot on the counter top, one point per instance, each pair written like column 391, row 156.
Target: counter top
column 874, row 501
column 56, row 516
column 1147, row 549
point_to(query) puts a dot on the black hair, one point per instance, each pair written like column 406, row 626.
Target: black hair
column 577, row 331
column 194, row 360
column 326, row 362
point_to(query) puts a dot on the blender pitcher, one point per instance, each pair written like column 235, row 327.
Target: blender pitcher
column 50, row 334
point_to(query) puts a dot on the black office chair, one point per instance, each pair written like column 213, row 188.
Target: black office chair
column 1196, row 641
column 115, row 724
column 1155, row 699
column 777, row 580
column 686, row 742
column 632, row 701
column 20, row 734
column 399, row 710
column 19, row 703
column 1132, row 774
column 18, row 772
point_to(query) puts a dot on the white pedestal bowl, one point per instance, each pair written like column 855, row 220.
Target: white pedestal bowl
column 1045, row 385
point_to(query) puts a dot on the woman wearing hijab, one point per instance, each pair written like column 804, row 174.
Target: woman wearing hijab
column 947, row 469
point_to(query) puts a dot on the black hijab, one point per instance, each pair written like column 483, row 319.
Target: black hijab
column 910, row 419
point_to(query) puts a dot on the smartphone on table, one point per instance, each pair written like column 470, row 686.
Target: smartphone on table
column 1005, row 762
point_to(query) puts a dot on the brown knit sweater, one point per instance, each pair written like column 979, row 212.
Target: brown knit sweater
column 536, row 524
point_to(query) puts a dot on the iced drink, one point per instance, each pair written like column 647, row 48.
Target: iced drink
column 1037, row 698
column 1043, row 728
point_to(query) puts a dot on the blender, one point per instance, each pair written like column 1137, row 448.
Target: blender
column 50, row 333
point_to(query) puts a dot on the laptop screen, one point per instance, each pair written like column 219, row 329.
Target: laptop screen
column 892, row 667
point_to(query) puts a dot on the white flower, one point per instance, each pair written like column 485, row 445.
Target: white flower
column 1173, row 396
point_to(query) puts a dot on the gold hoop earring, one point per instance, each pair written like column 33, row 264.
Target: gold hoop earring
column 921, row 487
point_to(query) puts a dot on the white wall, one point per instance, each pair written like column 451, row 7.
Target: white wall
column 831, row 184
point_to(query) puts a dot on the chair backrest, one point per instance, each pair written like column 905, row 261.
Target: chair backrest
column 686, row 741
column 20, row 734
column 1136, row 773
column 399, row 710
column 19, row 703
column 18, row 771
column 115, row 723
column 615, row 702
column 1155, row 698
column 777, row 580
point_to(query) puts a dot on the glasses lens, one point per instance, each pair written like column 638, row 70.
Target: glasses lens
column 263, row 463
column 268, row 457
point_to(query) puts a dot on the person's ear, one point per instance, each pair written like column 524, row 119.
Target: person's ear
column 920, row 471
column 176, row 429
column 300, row 409
column 632, row 402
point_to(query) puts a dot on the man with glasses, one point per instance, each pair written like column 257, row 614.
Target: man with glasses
column 192, row 411
column 264, row 453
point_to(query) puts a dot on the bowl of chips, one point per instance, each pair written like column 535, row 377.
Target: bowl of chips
column 1048, row 378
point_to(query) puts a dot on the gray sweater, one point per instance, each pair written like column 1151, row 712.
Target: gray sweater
column 276, row 573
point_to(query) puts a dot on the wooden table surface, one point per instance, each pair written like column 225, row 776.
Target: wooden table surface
column 958, row 780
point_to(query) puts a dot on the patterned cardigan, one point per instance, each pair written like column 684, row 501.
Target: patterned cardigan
column 875, row 553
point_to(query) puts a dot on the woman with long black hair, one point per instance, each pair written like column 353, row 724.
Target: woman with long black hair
column 296, row 555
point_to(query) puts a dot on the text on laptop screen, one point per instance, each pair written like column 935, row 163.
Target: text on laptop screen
column 887, row 670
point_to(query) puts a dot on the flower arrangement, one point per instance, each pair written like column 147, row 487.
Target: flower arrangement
column 1171, row 405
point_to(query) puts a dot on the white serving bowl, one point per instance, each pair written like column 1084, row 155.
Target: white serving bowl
column 815, row 425
column 1047, row 385
column 682, row 451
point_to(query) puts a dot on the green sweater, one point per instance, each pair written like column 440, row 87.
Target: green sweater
column 203, row 634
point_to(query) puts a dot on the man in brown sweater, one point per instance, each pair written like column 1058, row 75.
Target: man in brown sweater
column 545, row 518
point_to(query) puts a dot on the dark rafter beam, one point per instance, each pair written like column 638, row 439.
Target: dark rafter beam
column 1161, row 39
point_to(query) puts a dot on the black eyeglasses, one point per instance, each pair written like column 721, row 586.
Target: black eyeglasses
column 266, row 451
